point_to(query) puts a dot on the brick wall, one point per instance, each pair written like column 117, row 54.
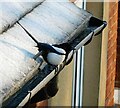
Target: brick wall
column 112, row 50
column 117, row 79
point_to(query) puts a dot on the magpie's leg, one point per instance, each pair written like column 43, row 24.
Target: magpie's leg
column 56, row 69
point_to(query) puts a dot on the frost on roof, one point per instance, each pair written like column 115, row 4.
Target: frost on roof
column 13, row 11
column 55, row 19
column 50, row 22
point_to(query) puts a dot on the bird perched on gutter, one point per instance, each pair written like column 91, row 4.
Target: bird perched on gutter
column 54, row 54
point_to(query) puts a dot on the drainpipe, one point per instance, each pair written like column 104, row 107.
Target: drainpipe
column 77, row 90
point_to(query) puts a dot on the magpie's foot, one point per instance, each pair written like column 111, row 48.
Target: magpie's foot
column 56, row 69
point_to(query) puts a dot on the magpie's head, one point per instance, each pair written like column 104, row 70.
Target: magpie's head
column 66, row 46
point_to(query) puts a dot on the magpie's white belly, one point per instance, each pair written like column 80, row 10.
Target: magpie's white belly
column 55, row 59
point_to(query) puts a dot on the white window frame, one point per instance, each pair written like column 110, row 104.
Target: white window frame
column 77, row 87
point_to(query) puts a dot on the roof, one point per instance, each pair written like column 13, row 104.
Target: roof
column 50, row 22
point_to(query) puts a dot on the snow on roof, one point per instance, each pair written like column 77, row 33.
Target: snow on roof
column 13, row 11
column 50, row 22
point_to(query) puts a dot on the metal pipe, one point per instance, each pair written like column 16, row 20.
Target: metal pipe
column 77, row 94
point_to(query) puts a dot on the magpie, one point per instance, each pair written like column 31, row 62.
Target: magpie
column 54, row 54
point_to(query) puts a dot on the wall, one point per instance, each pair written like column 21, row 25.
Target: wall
column 103, row 69
column 64, row 95
column 111, row 57
column 92, row 62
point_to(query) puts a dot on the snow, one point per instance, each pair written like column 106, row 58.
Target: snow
column 54, row 20
column 13, row 11
column 15, row 62
column 50, row 22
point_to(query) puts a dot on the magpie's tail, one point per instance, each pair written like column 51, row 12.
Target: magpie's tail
column 28, row 33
